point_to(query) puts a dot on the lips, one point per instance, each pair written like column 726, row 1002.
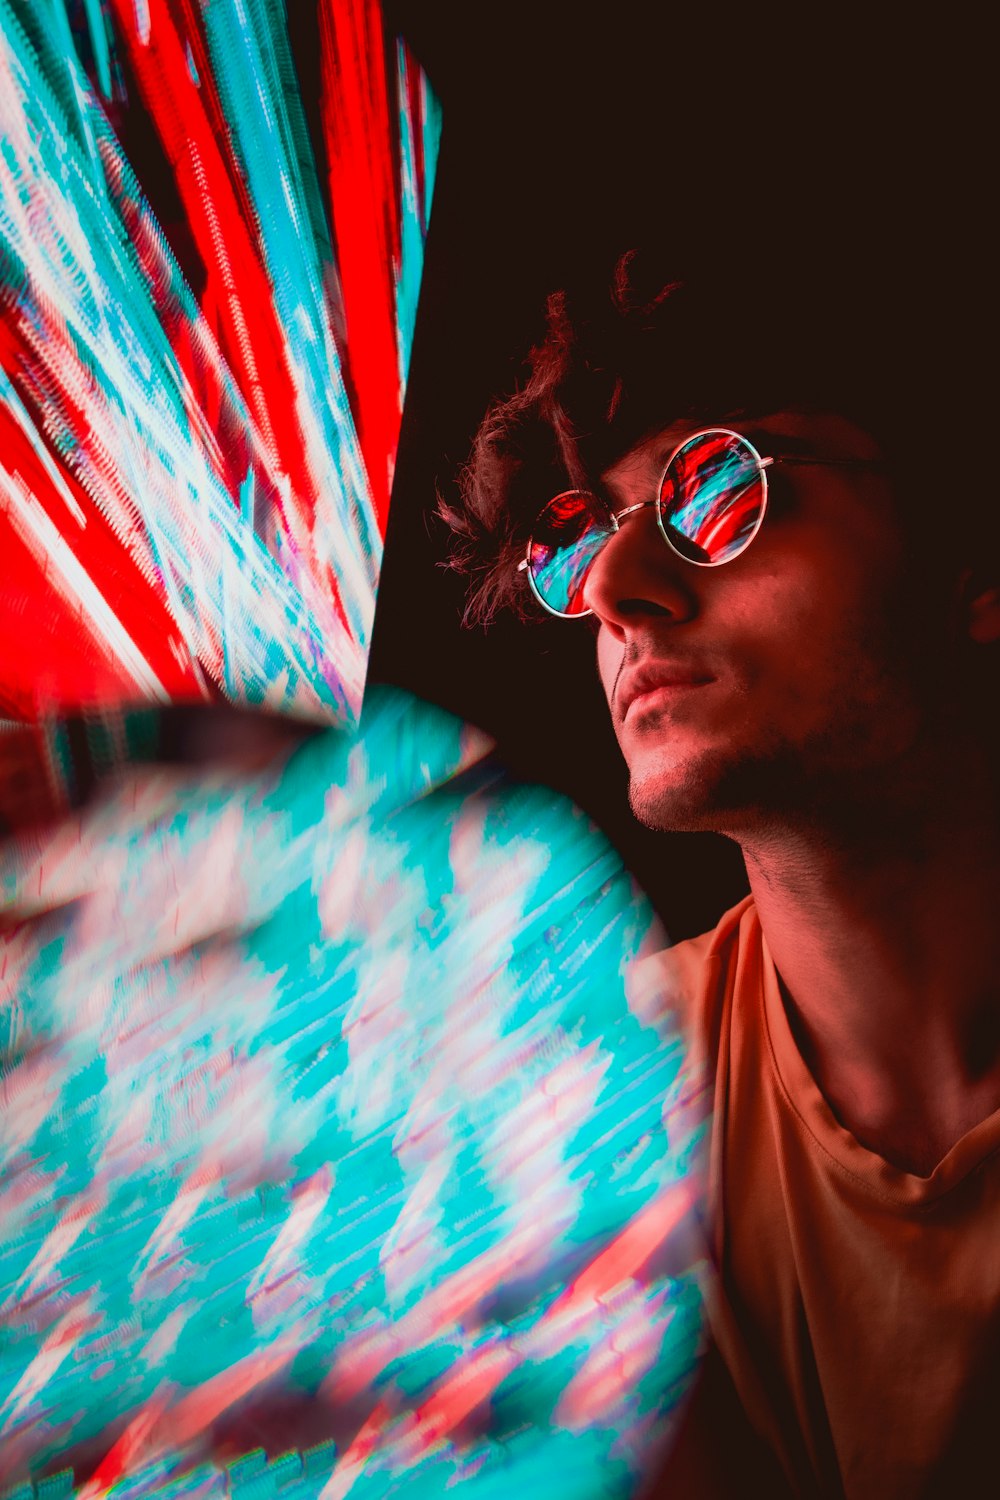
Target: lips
column 658, row 678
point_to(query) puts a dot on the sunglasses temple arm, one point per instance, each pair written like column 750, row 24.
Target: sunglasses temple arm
column 800, row 460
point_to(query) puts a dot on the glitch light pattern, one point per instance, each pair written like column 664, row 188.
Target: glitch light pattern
column 345, row 1148
column 208, row 284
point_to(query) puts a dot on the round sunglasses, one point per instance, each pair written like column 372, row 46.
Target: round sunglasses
column 710, row 505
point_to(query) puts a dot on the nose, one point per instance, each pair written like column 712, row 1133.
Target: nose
column 636, row 576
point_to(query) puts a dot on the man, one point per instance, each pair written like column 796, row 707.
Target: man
column 768, row 502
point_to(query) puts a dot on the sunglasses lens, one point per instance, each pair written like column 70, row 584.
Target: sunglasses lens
column 712, row 498
column 568, row 535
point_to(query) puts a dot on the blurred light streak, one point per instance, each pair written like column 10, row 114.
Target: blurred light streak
column 199, row 416
column 400, row 1167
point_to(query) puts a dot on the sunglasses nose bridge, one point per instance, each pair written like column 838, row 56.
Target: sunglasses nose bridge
column 709, row 505
column 616, row 519
column 617, row 516
column 635, row 564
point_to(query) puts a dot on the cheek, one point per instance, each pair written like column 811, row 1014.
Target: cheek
column 813, row 584
column 825, row 640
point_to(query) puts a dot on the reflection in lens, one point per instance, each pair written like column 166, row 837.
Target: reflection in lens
column 712, row 497
column 568, row 535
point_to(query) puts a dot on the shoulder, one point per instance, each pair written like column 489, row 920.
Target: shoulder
column 689, row 984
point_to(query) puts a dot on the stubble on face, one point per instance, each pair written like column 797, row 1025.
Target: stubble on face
column 826, row 664
column 833, row 743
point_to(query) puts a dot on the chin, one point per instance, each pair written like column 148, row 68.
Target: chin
column 672, row 804
column 712, row 792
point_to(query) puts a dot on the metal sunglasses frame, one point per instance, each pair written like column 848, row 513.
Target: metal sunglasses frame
column 615, row 517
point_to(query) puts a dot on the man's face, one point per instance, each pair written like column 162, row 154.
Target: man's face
column 765, row 689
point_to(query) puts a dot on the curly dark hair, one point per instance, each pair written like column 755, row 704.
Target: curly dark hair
column 645, row 350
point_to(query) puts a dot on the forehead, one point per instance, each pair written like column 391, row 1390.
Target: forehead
column 811, row 434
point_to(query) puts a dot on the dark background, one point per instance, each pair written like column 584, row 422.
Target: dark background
column 820, row 135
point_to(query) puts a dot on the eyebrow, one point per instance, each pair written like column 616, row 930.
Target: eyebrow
column 775, row 443
column 768, row 444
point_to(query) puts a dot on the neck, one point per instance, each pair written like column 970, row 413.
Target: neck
column 882, row 924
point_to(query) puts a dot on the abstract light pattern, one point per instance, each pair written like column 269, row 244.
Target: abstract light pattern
column 208, row 282
column 342, row 1150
